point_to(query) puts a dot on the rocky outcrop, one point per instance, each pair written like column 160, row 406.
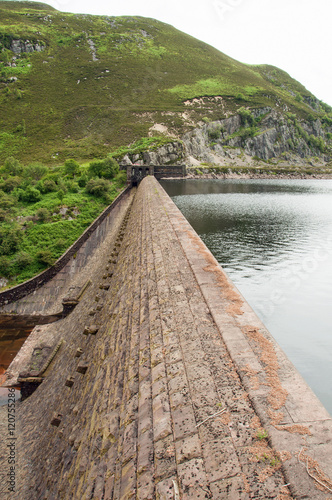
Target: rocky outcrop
column 262, row 134
column 172, row 153
column 269, row 135
column 21, row 46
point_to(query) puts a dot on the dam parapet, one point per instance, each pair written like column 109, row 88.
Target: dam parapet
column 135, row 173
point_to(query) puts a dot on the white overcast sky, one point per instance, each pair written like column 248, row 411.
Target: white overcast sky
column 294, row 35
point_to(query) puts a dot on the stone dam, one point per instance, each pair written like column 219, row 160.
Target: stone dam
column 148, row 376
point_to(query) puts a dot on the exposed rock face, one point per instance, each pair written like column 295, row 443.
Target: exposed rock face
column 275, row 135
column 271, row 135
column 20, row 46
column 171, row 153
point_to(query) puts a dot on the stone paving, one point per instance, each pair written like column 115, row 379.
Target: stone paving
column 155, row 407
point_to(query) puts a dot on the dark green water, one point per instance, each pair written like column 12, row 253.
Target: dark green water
column 274, row 239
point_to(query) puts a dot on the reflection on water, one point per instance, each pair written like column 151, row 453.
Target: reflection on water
column 274, row 239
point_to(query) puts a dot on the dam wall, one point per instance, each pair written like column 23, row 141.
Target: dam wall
column 162, row 383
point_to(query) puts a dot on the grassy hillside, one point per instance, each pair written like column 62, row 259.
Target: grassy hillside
column 94, row 83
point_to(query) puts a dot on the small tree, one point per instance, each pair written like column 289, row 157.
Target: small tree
column 95, row 168
column 71, row 167
column 107, row 168
column 110, row 168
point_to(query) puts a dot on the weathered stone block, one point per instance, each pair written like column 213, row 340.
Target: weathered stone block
column 90, row 330
column 56, row 420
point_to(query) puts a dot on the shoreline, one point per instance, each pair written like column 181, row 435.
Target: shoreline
column 234, row 175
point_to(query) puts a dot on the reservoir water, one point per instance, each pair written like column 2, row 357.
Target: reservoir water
column 274, row 240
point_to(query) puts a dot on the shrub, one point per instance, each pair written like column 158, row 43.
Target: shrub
column 3, row 215
column 12, row 166
column 5, row 270
column 317, row 142
column 61, row 243
column 36, row 171
column 45, row 257
column 248, row 132
column 97, row 187
column 120, row 178
column 326, row 107
column 214, row 133
column 6, row 200
column 111, row 168
column 72, row 186
column 42, row 214
column 82, row 181
column 327, row 120
column 22, row 260
column 302, row 133
column 52, row 177
column 291, row 116
column 48, row 185
column 10, row 184
column 246, row 116
column 10, row 238
column 95, row 168
column 60, row 194
column 29, row 195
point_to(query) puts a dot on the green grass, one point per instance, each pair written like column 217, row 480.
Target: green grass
column 139, row 146
column 213, row 87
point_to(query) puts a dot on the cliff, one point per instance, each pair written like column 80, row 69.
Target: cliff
column 251, row 137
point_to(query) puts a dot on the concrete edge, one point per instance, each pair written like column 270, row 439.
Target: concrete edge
column 298, row 425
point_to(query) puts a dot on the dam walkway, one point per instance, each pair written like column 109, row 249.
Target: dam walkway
column 165, row 385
